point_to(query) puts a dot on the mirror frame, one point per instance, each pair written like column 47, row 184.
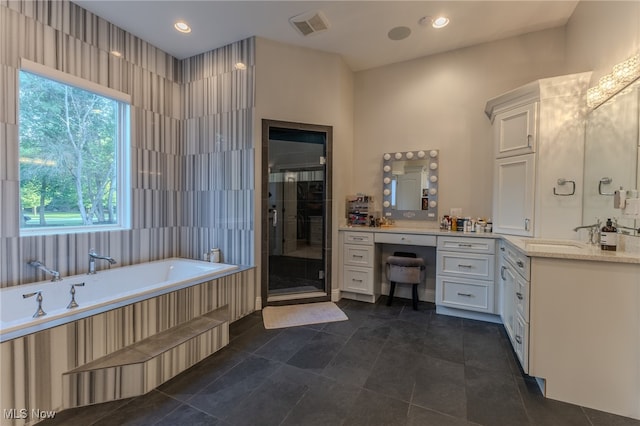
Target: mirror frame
column 431, row 213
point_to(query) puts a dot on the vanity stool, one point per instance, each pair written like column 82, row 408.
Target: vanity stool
column 404, row 268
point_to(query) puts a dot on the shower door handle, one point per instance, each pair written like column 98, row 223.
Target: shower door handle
column 275, row 217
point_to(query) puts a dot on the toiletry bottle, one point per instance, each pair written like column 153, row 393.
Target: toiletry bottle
column 609, row 237
column 214, row 255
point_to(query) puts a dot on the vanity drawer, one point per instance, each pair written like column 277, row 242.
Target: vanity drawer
column 470, row 265
column 467, row 245
column 365, row 238
column 409, row 239
column 357, row 280
column 519, row 260
column 522, row 297
column 358, row 255
column 465, row 294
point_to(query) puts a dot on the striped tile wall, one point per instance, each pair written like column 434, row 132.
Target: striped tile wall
column 192, row 150
column 33, row 366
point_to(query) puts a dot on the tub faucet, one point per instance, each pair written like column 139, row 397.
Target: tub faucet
column 92, row 261
column 40, row 312
column 39, row 265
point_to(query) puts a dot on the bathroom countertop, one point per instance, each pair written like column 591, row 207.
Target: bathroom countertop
column 533, row 247
column 569, row 249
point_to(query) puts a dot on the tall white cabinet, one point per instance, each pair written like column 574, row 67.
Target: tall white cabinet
column 539, row 141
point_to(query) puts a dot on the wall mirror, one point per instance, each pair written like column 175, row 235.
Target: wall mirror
column 410, row 185
column 611, row 156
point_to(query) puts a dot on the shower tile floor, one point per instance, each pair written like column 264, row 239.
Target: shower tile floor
column 384, row 366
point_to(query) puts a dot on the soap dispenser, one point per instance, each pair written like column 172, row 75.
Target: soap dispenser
column 609, row 237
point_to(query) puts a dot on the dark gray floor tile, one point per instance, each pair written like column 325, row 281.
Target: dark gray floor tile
column 547, row 412
column 144, row 410
column 483, row 348
column 600, row 418
column 445, row 321
column 493, row 398
column 354, row 362
column 253, row 338
column 286, row 344
column 419, row 416
column 239, row 327
column 347, row 328
column 187, row 415
column 393, row 374
column 271, row 402
column 83, row 416
column 420, row 317
column 326, row 403
column 316, row 354
column 406, row 336
column 230, row 390
column 441, row 342
column 440, row 386
column 371, row 408
column 192, row 381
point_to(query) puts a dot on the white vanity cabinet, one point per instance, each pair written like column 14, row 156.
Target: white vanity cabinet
column 514, row 276
column 539, row 142
column 359, row 277
column 465, row 274
column 516, row 130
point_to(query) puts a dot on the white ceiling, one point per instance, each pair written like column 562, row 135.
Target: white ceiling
column 358, row 29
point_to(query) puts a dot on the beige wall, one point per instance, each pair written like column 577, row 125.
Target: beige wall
column 601, row 34
column 306, row 86
column 437, row 102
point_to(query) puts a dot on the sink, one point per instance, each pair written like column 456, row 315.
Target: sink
column 553, row 245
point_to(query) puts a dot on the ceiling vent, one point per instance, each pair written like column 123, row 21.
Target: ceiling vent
column 310, row 23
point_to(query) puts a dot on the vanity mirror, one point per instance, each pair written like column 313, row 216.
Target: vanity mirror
column 410, row 185
column 611, row 156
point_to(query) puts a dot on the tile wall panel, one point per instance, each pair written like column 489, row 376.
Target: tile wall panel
column 190, row 136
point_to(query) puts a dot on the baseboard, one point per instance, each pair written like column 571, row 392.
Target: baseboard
column 461, row 313
column 335, row 294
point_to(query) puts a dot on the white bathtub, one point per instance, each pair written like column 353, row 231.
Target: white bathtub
column 108, row 289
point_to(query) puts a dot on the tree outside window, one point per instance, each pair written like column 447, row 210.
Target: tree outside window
column 68, row 155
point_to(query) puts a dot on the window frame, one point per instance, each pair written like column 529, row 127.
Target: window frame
column 122, row 151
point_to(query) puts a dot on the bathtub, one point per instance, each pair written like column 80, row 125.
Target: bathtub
column 106, row 290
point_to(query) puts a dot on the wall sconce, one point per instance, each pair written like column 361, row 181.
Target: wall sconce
column 622, row 75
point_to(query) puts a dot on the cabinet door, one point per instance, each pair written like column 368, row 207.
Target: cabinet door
column 515, row 131
column 508, row 281
column 521, row 341
column 514, row 179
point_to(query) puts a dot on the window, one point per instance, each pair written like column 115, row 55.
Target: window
column 73, row 155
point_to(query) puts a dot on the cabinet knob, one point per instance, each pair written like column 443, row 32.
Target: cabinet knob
column 519, row 295
column 518, row 339
column 520, row 264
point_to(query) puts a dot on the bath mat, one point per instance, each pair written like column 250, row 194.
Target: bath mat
column 304, row 314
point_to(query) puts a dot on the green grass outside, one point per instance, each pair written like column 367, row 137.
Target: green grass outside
column 53, row 219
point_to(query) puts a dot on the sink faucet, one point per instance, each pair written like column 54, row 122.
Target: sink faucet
column 92, row 261
column 39, row 265
column 594, row 231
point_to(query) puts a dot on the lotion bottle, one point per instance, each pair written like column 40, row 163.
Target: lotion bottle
column 609, row 237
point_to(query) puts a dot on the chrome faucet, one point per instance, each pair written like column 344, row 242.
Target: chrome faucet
column 92, row 261
column 39, row 265
column 594, row 231
column 40, row 312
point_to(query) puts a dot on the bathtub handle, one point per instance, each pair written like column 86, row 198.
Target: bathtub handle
column 73, row 303
column 40, row 312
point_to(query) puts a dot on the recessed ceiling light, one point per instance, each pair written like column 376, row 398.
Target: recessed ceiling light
column 182, row 27
column 399, row 33
column 440, row 22
column 116, row 53
column 240, row 66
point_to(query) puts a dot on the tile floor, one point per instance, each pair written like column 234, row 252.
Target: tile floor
column 384, row 366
